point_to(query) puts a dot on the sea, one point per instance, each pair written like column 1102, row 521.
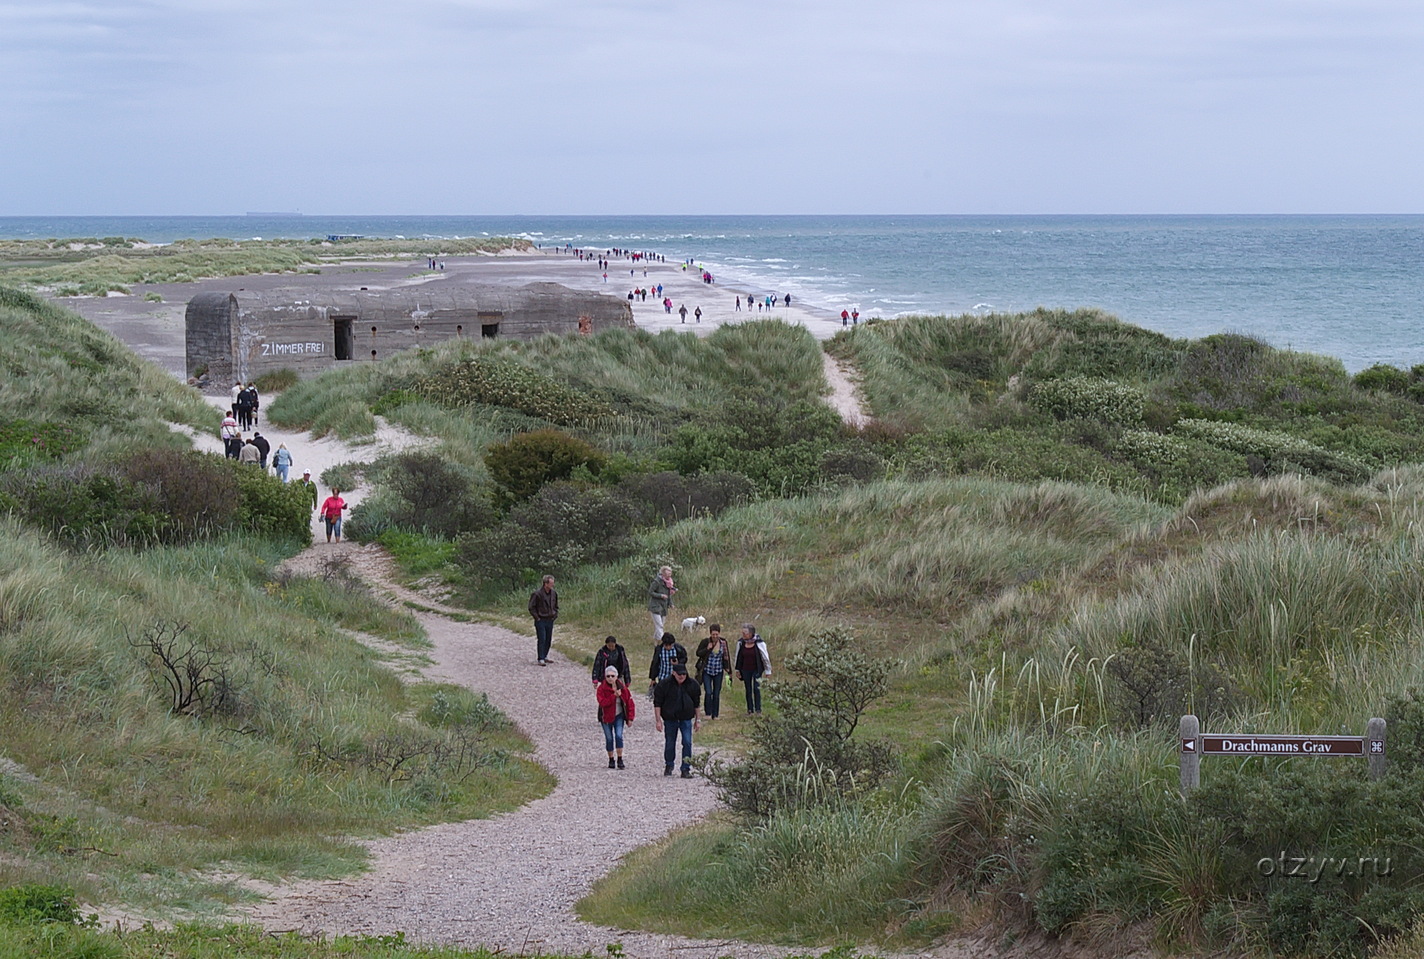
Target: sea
column 1351, row 287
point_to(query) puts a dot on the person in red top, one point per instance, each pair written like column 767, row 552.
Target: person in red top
column 845, row 317
column 331, row 511
column 615, row 708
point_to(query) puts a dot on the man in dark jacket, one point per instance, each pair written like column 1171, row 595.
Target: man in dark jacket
column 613, row 655
column 263, row 447
column 544, row 607
column 675, row 703
column 666, row 655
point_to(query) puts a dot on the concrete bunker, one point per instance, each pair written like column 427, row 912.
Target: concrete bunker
column 241, row 334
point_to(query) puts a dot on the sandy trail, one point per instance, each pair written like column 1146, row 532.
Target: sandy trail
column 510, row 882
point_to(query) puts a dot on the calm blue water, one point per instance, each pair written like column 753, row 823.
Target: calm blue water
column 1347, row 286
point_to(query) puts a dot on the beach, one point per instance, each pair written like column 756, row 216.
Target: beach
column 155, row 330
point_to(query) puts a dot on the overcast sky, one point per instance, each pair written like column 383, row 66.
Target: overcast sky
column 721, row 106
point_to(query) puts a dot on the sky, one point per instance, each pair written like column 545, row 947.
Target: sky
column 492, row 107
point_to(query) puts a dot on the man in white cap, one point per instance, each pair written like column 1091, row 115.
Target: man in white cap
column 308, row 488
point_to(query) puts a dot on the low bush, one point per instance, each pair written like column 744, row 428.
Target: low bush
column 665, row 498
column 805, row 754
column 505, row 382
column 1281, row 452
column 23, row 442
column 529, row 460
column 436, row 495
column 1081, row 397
column 30, row 904
column 558, row 529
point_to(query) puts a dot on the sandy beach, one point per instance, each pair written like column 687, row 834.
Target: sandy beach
column 155, row 330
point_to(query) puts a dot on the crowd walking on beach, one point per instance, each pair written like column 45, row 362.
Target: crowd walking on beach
column 681, row 700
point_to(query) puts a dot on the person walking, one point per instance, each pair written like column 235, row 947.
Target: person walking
column 677, row 701
column 667, row 654
column 331, row 510
column 249, row 453
column 544, row 607
column 752, row 664
column 231, row 438
column 615, row 710
column 263, row 447
column 282, row 461
column 308, row 488
column 711, row 669
column 244, row 410
column 682, row 311
column 660, row 593
column 611, row 654
column 698, row 314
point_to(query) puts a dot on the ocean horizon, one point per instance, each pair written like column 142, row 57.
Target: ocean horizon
column 1348, row 286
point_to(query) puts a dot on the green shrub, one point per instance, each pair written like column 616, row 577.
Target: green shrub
column 1384, row 378
column 665, row 498
column 560, row 528
column 1081, row 397
column 529, row 460
column 270, row 507
column 1281, row 452
column 505, row 382
column 435, row 495
column 29, row 904
column 806, row 753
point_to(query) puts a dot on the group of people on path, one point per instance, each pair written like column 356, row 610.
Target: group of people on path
column 680, row 701
column 255, row 450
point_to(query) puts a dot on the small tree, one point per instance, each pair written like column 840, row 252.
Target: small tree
column 529, row 460
column 806, row 754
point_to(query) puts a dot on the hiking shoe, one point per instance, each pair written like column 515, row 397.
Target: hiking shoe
column 667, row 771
column 610, row 764
column 620, row 763
column 687, row 774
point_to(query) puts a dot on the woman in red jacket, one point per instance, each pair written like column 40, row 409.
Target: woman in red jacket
column 615, row 708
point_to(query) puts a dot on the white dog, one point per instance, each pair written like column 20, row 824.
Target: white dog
column 692, row 622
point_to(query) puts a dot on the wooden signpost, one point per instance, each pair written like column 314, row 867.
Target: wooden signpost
column 1195, row 745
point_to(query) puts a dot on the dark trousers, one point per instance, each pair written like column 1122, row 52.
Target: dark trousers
column 753, row 684
column 712, row 695
column 671, row 729
column 544, row 634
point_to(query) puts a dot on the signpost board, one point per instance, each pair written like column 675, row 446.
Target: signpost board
column 1195, row 744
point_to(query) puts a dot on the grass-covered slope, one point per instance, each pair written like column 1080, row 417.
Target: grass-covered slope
column 177, row 714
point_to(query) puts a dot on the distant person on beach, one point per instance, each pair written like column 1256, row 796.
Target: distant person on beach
column 712, row 663
column 739, row 304
column 677, row 701
column 682, row 311
column 855, row 317
column 667, row 305
column 660, row 593
column 698, row 314
column 544, row 607
column 264, row 447
column 751, row 665
column 282, row 461
column 611, row 654
column 788, row 301
column 615, row 709
column 845, row 317
column 331, row 510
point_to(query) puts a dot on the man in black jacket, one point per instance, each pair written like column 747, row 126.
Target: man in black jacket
column 544, row 607
column 676, row 701
column 263, row 448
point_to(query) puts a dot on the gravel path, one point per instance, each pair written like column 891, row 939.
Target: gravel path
column 510, row 882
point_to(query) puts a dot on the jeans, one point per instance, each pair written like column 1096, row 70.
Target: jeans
column 333, row 526
column 712, row 695
column 544, row 634
column 657, row 627
column 671, row 728
column 282, row 473
column 613, row 734
column 753, row 684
